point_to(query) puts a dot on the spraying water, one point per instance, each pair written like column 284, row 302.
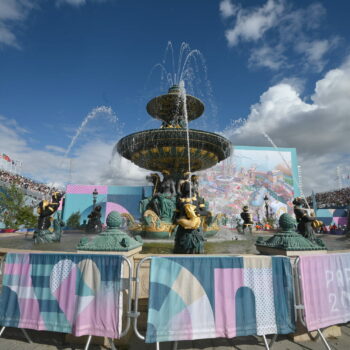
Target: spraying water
column 184, row 100
column 288, row 166
column 277, row 149
column 191, row 68
column 98, row 111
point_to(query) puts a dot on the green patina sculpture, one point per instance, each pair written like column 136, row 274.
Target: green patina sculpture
column 49, row 229
column 289, row 239
column 166, row 150
column 112, row 239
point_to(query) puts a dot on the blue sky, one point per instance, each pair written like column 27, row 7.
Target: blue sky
column 283, row 66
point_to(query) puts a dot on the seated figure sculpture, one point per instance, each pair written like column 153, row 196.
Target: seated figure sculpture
column 247, row 217
column 46, row 233
column 304, row 220
column 163, row 201
column 94, row 224
column 189, row 235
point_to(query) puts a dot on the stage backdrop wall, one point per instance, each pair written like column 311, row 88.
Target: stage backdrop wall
column 247, row 176
column 243, row 179
column 333, row 216
column 124, row 199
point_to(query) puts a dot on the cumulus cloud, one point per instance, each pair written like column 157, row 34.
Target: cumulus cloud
column 89, row 163
column 268, row 57
column 71, row 2
column 76, row 2
column 278, row 32
column 12, row 14
column 315, row 51
column 319, row 128
column 251, row 24
column 227, row 9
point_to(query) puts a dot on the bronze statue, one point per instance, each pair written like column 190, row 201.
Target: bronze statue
column 248, row 219
column 189, row 237
column 184, row 185
column 154, row 178
column 46, row 233
column 94, row 224
column 167, row 186
column 195, row 185
column 304, row 220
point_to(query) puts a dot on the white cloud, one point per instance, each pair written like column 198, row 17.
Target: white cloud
column 318, row 129
column 282, row 33
column 251, row 24
column 268, row 57
column 227, row 9
column 76, row 2
column 315, row 51
column 12, row 13
column 56, row 149
column 71, row 2
column 91, row 163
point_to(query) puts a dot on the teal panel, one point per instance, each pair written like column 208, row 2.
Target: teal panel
column 80, row 202
column 126, row 190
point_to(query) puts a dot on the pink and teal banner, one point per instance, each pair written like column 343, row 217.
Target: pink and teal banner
column 210, row 297
column 325, row 284
column 70, row 293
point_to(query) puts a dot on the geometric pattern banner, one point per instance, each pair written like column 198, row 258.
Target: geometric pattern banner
column 325, row 284
column 70, row 293
column 210, row 297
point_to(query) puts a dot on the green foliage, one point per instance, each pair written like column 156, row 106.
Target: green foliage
column 74, row 220
column 14, row 212
column 26, row 217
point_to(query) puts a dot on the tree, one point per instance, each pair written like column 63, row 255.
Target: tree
column 74, row 220
column 14, row 211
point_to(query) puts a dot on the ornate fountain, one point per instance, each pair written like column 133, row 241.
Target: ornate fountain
column 176, row 152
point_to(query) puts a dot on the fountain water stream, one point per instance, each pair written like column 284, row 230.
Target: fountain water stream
column 184, row 100
column 96, row 112
column 288, row 167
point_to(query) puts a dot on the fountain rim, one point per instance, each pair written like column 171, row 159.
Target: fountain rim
column 189, row 97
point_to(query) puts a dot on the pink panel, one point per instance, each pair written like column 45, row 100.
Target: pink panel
column 325, row 283
column 226, row 284
column 110, row 206
column 86, row 189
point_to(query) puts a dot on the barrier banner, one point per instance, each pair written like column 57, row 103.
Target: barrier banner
column 325, row 284
column 69, row 293
column 211, row 297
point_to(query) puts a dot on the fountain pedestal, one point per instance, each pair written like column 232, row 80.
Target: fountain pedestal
column 173, row 150
column 112, row 240
column 288, row 242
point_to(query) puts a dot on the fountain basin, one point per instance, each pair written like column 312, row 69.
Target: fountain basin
column 159, row 149
column 167, row 107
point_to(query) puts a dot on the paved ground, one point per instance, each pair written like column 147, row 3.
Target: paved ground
column 13, row 339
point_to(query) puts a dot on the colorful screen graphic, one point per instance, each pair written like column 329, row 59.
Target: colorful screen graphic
column 247, row 177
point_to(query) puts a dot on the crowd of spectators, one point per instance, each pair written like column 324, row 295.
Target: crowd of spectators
column 332, row 199
column 27, row 184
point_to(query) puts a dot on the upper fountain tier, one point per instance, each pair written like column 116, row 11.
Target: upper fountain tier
column 170, row 107
column 166, row 148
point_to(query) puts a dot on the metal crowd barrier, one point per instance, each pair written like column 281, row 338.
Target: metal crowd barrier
column 135, row 314
column 126, row 284
column 298, row 299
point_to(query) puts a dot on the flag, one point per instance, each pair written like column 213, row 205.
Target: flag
column 6, row 157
